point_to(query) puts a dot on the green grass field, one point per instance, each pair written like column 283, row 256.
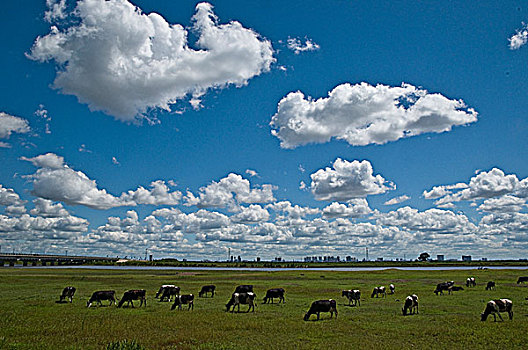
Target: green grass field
column 30, row 318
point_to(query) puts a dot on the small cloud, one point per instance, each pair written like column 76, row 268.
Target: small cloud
column 115, row 161
column 297, row 46
column 519, row 38
column 397, row 200
column 4, row 145
column 84, row 149
column 302, row 185
column 172, row 183
column 10, row 124
column 301, row 168
column 251, row 173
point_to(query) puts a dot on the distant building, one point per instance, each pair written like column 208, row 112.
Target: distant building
column 379, row 259
column 258, row 258
column 440, row 257
column 484, row 259
column 466, row 257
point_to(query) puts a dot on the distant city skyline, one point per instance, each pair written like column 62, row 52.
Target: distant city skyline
column 287, row 129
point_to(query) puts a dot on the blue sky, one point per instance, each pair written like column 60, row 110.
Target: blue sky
column 274, row 129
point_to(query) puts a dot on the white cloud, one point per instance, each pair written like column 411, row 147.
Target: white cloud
column 228, row 192
column 354, row 208
column 250, row 215
column 363, row 114
column 159, row 194
column 504, row 204
column 431, row 221
column 347, row 180
column 48, row 209
column 397, row 200
column 8, row 197
column 519, row 38
column 124, row 62
column 441, row 191
column 115, row 161
column 56, row 10
column 484, row 185
column 10, row 124
column 297, row 46
column 251, row 172
column 55, row 181
column 48, row 160
column 42, row 113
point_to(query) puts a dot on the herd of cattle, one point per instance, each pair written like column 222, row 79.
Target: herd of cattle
column 244, row 294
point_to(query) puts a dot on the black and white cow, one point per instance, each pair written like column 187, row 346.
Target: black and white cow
column 166, row 291
column 353, row 295
column 495, row 307
column 391, row 288
column 470, row 282
column 245, row 288
column 169, row 292
column 444, row 286
column 377, row 291
column 490, row 285
column 133, row 294
column 185, row 299
column 241, row 298
column 100, row 296
column 207, row 289
column 67, row 293
column 456, row 288
column 319, row 306
column 522, row 279
column 410, row 305
column 274, row 293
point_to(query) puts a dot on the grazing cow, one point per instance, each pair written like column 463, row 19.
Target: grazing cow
column 169, row 292
column 133, row 294
column 378, row 290
column 100, row 296
column 245, row 288
column 180, row 300
column 391, row 288
column 207, row 289
column 470, row 282
column 410, row 305
column 495, row 307
column 319, row 306
column 522, row 280
column 67, row 293
column 456, row 288
column 173, row 290
column 353, row 295
column 490, row 285
column 441, row 287
column 241, row 298
column 272, row 294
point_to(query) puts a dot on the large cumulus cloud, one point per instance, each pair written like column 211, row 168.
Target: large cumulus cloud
column 347, row 180
column 363, row 114
column 124, row 62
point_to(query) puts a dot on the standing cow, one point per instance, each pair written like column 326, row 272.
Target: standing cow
column 207, row 289
column 101, row 295
column 241, row 298
column 495, row 307
column 353, row 295
column 410, row 305
column 274, row 293
column 490, row 285
column 185, row 299
column 391, row 288
column 67, row 293
column 319, row 306
column 470, row 282
column 522, row 279
column 133, row 294
column 379, row 290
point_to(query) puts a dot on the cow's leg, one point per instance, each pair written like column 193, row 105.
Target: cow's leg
column 498, row 313
column 510, row 314
column 318, row 315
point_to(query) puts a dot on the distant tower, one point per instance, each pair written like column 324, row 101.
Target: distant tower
column 228, row 254
column 366, row 253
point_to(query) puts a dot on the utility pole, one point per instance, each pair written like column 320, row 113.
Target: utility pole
column 366, row 253
column 146, row 253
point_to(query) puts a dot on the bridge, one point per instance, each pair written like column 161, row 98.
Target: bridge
column 49, row 259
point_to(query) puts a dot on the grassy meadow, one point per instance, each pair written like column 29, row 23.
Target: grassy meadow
column 30, row 318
